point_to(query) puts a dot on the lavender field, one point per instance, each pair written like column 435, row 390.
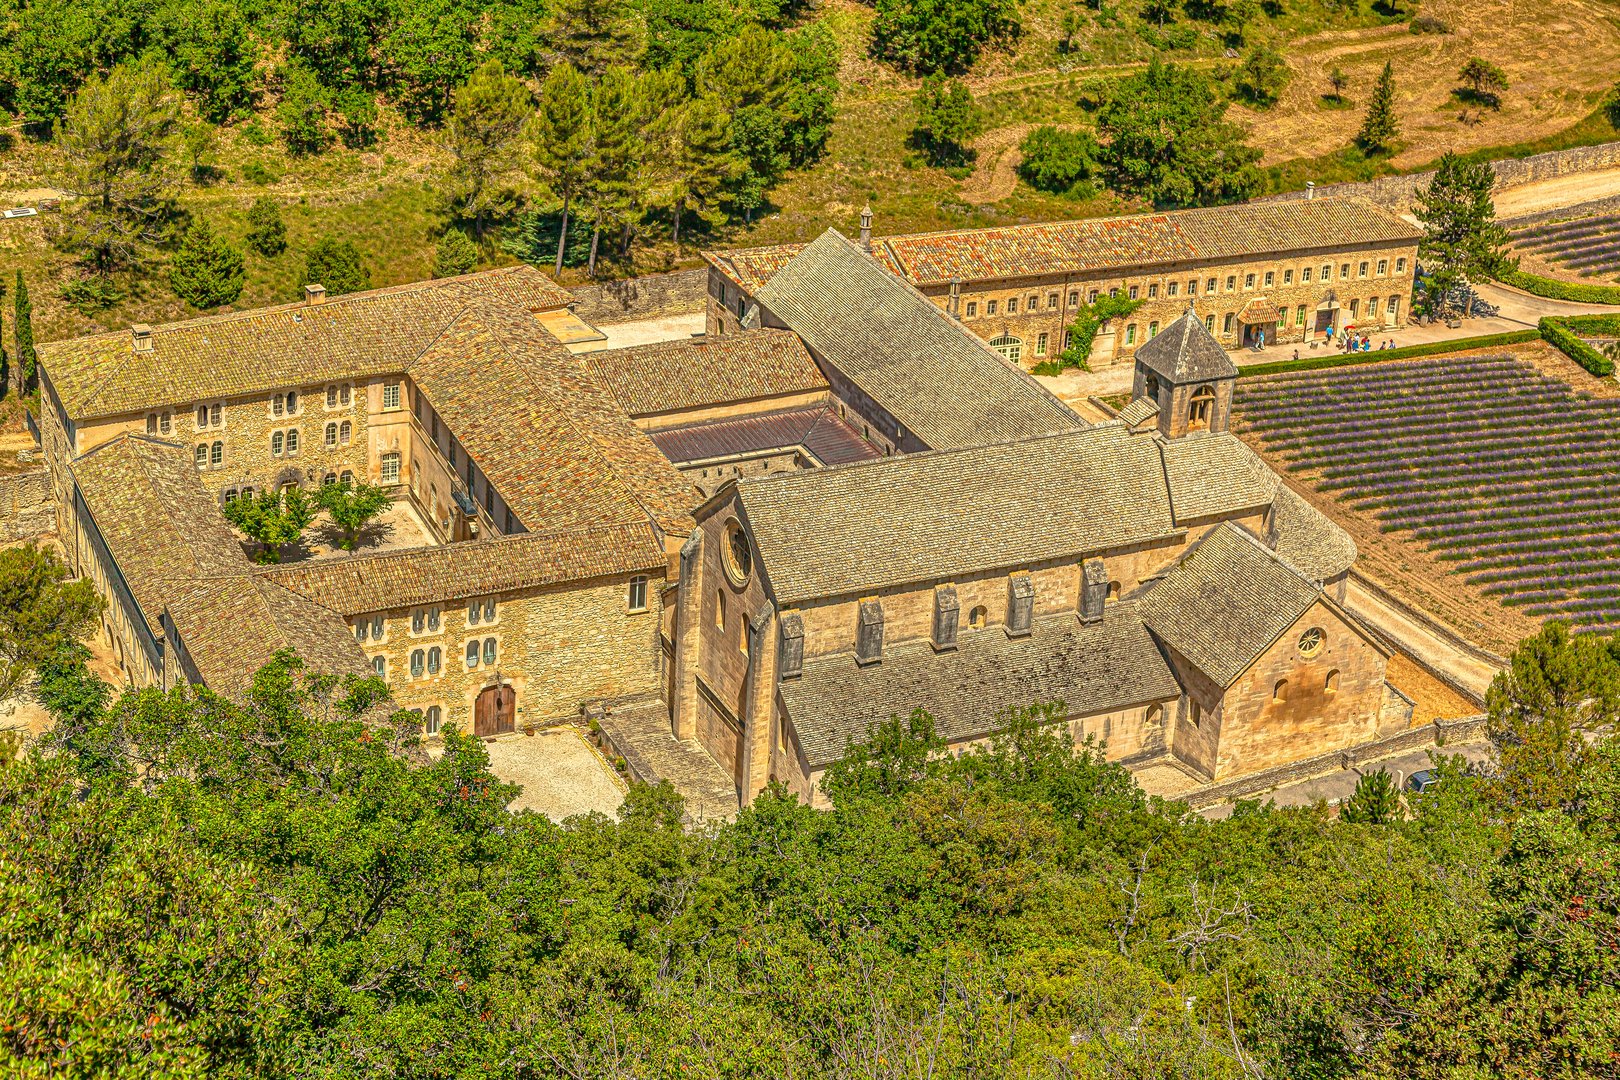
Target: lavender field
column 1512, row 476
column 1590, row 246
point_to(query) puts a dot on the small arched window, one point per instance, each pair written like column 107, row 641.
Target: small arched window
column 292, row 403
column 431, row 720
column 472, row 653
column 346, row 477
column 292, row 441
column 1280, row 691
column 331, row 434
column 277, row 443
column 1331, row 683
column 719, row 610
column 344, row 430
column 1155, row 714
column 202, row 456
column 329, row 479
column 1199, row 410
column 489, row 652
column 978, row 617
column 216, row 454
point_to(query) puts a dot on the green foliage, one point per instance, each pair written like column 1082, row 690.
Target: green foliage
column 272, row 519
column 1374, row 802
column 1061, row 162
column 41, row 611
column 591, row 36
column 352, row 507
column 562, row 140
column 1461, row 240
column 255, row 172
column 208, row 270
column 336, row 264
column 928, row 36
column 267, row 233
column 1611, row 106
column 1262, row 75
column 302, row 110
column 22, row 326
column 1406, row 352
column 1338, row 80
column 455, row 254
column 90, row 295
column 1554, row 289
column 429, row 52
column 1088, row 320
column 1379, row 128
column 1166, row 140
column 212, row 54
column 1484, row 80
column 484, row 133
column 947, row 121
column 1555, row 333
column 202, row 147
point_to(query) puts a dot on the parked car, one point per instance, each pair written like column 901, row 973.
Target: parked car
column 1422, row 781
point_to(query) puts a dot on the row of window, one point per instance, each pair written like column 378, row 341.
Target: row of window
column 428, row 662
column 1031, row 303
column 481, row 612
column 210, row 416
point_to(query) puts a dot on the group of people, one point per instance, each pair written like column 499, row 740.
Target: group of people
column 1354, row 342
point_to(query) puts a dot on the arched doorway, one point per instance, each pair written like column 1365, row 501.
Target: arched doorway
column 495, row 712
column 1010, row 347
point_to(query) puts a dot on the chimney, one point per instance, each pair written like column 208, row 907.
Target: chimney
column 869, row 633
column 314, row 294
column 1310, row 190
column 956, row 298
column 866, row 229
column 947, row 613
column 140, row 337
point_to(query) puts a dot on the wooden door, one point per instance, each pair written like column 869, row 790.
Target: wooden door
column 495, row 712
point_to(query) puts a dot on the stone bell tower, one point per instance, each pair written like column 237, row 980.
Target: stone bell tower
column 1188, row 376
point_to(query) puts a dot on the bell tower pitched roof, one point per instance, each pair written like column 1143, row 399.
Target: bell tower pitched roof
column 1186, row 352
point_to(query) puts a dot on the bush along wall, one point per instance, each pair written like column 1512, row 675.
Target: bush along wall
column 1561, row 290
column 1433, row 348
column 1556, row 332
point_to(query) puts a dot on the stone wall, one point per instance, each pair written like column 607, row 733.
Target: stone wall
column 27, row 511
column 1399, row 193
column 1608, row 205
column 652, row 296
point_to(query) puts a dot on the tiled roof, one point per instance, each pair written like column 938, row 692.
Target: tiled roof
column 233, row 626
column 1308, row 538
column 674, row 375
column 817, row 428
column 917, row 363
column 396, row 579
column 352, row 336
column 932, row 516
column 1096, row 244
column 1185, row 352
column 1214, row 474
column 1138, row 411
column 750, row 268
column 546, row 433
column 1092, row 669
column 1226, row 601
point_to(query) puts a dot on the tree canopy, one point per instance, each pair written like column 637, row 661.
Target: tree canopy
column 1462, row 241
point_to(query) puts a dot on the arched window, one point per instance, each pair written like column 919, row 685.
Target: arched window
column 472, row 653
column 1280, row 691
column 331, row 434
column 292, row 403
column 1331, row 683
column 489, row 652
column 360, row 630
column 1199, row 410
column 343, row 432
column 431, row 720
column 1153, row 329
column 1155, row 714
column 202, row 456
column 331, row 397
column 978, row 617
column 277, row 443
column 292, row 440
column 346, row 477
column 216, row 454
column 1008, row 346
column 1113, row 590
column 1152, row 386
column 329, row 479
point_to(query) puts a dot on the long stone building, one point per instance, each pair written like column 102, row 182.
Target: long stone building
column 750, row 546
column 1278, row 272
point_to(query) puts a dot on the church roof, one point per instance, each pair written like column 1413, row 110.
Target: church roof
column 933, row 516
column 357, row 335
column 1226, row 601
column 1186, row 352
column 232, row 627
column 1308, row 538
column 1138, row 411
column 1091, row 668
column 671, row 376
column 1214, row 474
column 917, row 363
column 817, row 428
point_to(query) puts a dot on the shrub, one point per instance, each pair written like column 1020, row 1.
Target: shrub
column 1062, row 162
column 1430, row 24
column 267, row 233
column 336, row 264
column 1561, row 290
column 1433, row 348
column 90, row 295
column 1565, row 341
column 455, row 255
column 302, row 112
column 1262, row 75
column 255, row 173
column 947, row 120
column 208, row 269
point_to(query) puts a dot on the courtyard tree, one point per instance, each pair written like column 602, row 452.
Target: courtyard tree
column 1379, row 127
column 562, row 141
column 1166, row 139
column 455, row 254
column 22, row 326
column 41, row 611
column 485, row 133
column 1374, row 802
column 336, row 265
column 352, row 507
column 940, row 35
column 1262, row 74
column 267, row 232
column 273, row 520
column 208, row 270
column 1484, row 81
column 948, row 120
column 1462, row 241
column 117, row 142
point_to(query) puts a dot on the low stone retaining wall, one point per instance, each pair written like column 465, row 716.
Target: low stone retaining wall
column 1399, row 193
column 26, row 512
column 652, row 296
column 1439, row 733
column 1607, row 205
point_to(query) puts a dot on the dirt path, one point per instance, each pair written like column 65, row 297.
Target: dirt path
column 1418, row 640
column 995, row 170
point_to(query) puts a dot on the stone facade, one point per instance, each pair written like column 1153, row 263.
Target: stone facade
column 26, row 509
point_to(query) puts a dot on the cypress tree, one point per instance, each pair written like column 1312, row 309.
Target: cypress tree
column 22, row 324
column 1379, row 129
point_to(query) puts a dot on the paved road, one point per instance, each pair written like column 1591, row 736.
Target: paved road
column 1336, row 787
column 1418, row 641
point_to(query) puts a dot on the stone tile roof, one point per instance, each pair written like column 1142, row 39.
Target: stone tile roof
column 1138, row 411
column 671, row 376
column 1226, row 601
column 816, row 428
column 220, row 356
column 1185, row 352
column 363, row 584
column 1308, row 538
column 917, row 363
column 1145, row 240
column 1092, row 669
column 1214, row 474
column 233, row 626
column 928, row 517
column 547, row 434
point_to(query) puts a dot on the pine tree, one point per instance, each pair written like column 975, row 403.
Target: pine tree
column 335, row 264
column 1374, row 801
column 703, row 161
column 1379, row 128
column 562, row 140
column 208, row 269
column 22, row 325
column 485, row 126
column 455, row 255
column 947, row 120
column 267, row 233
column 593, row 35
column 1461, row 240
column 616, row 188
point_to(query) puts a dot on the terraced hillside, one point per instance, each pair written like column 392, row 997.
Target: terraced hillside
column 1507, row 475
column 1588, row 246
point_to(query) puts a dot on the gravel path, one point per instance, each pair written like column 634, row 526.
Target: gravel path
column 561, row 774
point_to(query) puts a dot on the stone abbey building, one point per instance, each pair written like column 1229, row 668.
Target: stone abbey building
column 751, row 545
column 1284, row 271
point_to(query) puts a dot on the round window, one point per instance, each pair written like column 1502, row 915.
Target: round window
column 739, row 556
column 1311, row 642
